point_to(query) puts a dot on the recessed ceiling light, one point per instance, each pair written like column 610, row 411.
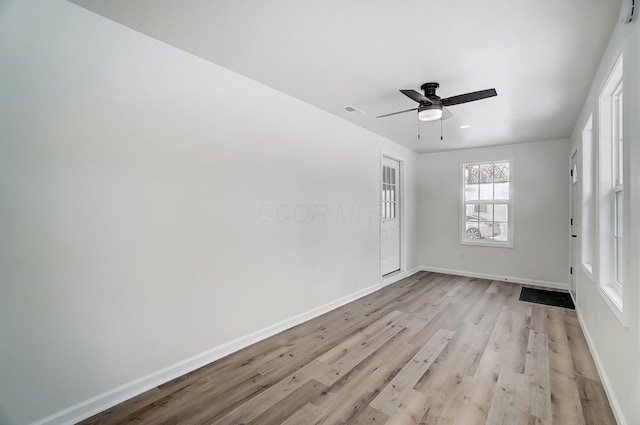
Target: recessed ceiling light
column 465, row 126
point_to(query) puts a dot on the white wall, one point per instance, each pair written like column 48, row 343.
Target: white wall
column 156, row 206
column 540, row 254
column 615, row 344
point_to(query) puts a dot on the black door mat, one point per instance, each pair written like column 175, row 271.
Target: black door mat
column 540, row 296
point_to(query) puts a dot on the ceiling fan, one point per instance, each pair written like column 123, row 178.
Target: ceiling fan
column 431, row 107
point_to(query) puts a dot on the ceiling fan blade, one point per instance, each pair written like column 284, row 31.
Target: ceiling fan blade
column 469, row 97
column 446, row 114
column 416, row 96
column 395, row 113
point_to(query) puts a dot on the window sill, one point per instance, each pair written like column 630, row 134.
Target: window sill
column 612, row 294
column 588, row 270
column 490, row 244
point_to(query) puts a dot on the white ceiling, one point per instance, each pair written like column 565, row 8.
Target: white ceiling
column 540, row 56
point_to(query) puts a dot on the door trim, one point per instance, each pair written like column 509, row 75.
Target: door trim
column 574, row 228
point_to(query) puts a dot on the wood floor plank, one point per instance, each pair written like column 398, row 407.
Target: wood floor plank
column 431, row 349
column 509, row 399
column 478, row 400
column 283, row 409
column 583, row 363
column 537, row 371
column 358, row 353
column 415, row 410
column 594, row 401
column 307, row 415
column 527, row 418
column 395, row 393
column 252, row 408
column 510, row 337
column 566, row 406
column 346, row 400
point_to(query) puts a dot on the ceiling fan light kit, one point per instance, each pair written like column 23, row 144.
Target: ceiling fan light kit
column 430, row 113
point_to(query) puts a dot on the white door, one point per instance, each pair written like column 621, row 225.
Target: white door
column 390, row 216
column 575, row 242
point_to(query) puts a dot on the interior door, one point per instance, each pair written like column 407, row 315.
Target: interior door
column 575, row 242
column 390, row 216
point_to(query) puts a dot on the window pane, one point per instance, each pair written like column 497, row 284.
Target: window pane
column 502, row 190
column 619, row 210
column 480, row 208
column 502, row 231
column 501, row 212
column 486, row 173
column 472, row 173
column 486, row 192
column 619, row 262
column 392, row 172
column 472, row 223
column 485, row 212
column 471, row 192
column 619, row 259
column 618, row 135
column 501, row 172
column 472, row 230
column 481, row 226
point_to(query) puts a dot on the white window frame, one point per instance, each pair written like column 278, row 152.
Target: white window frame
column 509, row 243
column 610, row 186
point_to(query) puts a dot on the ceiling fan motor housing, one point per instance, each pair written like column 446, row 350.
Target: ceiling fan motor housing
column 429, row 90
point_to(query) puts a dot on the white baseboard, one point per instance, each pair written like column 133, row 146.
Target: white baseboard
column 97, row 404
column 613, row 400
column 502, row 278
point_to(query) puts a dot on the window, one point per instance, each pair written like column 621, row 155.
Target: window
column 487, row 198
column 611, row 188
column 587, row 196
column 389, row 195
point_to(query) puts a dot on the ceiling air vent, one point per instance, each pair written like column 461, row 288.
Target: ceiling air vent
column 353, row 110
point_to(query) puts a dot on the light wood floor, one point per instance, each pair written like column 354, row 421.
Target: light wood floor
column 431, row 349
